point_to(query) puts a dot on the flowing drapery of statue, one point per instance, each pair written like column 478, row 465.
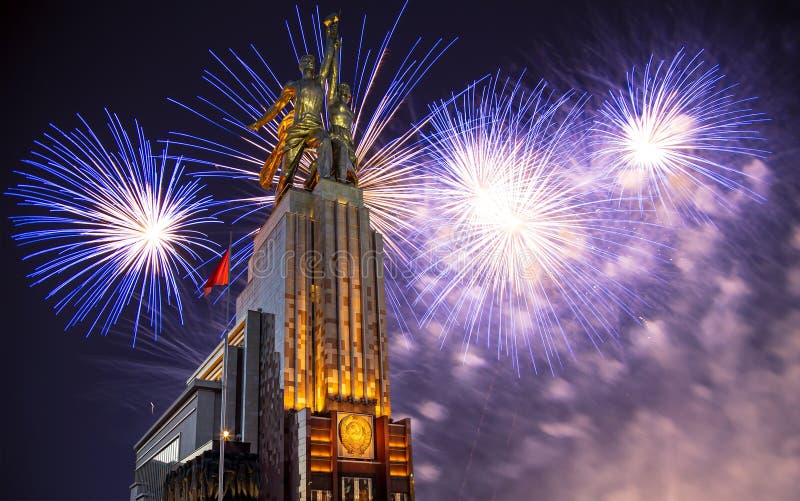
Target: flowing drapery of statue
column 303, row 127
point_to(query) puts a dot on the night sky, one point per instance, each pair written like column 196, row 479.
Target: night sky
column 701, row 401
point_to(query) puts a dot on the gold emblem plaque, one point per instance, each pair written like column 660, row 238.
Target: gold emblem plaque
column 355, row 436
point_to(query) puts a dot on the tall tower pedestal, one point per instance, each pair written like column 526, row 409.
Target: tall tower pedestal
column 324, row 418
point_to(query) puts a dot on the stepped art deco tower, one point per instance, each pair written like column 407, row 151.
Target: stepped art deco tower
column 306, row 386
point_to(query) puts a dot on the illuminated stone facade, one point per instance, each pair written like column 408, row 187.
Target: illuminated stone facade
column 318, row 267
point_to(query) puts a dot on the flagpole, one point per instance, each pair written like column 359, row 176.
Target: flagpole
column 221, row 490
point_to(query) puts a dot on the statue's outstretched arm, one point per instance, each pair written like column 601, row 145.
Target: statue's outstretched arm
column 333, row 81
column 272, row 112
column 331, row 45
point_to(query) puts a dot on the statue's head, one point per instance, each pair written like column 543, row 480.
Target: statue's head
column 344, row 92
column 307, row 63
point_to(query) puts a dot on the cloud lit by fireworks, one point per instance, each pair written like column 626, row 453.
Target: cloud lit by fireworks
column 518, row 232
column 244, row 86
column 677, row 129
column 114, row 228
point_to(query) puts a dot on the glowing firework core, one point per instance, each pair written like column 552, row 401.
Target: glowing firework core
column 154, row 235
column 664, row 136
column 517, row 226
column 645, row 148
column 122, row 225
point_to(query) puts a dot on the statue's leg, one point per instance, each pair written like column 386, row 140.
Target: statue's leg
column 351, row 176
column 339, row 166
column 324, row 154
column 292, row 161
column 312, row 179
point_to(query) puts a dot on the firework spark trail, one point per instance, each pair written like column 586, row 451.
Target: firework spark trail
column 519, row 233
column 119, row 226
column 676, row 130
column 149, row 376
column 388, row 168
column 476, row 438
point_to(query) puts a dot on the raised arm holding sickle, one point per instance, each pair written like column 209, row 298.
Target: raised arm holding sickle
column 305, row 129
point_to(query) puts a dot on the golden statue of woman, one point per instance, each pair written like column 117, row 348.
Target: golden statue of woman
column 340, row 118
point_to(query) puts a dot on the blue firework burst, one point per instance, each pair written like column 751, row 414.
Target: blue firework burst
column 112, row 228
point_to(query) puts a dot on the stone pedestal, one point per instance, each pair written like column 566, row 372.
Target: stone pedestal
column 318, row 267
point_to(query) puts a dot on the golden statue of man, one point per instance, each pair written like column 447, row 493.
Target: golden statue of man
column 305, row 129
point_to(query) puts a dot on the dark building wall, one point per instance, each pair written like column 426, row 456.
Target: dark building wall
column 270, row 420
column 191, row 421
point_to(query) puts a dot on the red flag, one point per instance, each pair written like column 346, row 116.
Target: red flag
column 220, row 275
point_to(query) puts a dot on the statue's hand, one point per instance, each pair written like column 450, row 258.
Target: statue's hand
column 254, row 126
column 332, row 26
